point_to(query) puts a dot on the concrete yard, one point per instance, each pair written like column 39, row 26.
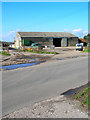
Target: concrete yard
column 24, row 57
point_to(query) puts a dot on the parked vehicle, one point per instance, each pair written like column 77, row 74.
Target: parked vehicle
column 36, row 46
column 79, row 47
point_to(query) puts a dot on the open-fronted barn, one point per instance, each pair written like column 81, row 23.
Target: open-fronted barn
column 59, row 39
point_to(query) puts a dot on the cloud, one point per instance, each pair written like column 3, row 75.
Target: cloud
column 11, row 32
column 77, row 30
column 85, row 32
column 18, row 30
column 10, row 35
column 66, row 30
column 0, row 35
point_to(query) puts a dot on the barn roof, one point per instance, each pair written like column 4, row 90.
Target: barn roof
column 83, row 40
column 46, row 34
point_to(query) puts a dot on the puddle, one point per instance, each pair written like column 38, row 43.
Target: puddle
column 68, row 57
column 69, row 92
column 74, row 56
column 15, row 66
column 75, row 90
column 60, row 59
column 67, row 49
column 32, row 60
column 18, row 58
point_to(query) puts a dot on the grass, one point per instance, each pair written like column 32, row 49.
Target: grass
column 84, row 97
column 21, row 50
column 44, row 52
column 4, row 53
column 39, row 52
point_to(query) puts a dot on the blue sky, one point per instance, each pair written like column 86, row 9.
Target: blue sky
column 44, row 17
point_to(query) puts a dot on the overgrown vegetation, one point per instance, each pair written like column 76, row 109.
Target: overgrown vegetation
column 4, row 53
column 40, row 52
column 87, row 49
column 43, row 52
column 21, row 50
column 84, row 97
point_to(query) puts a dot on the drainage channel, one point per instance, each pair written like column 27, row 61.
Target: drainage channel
column 15, row 66
column 60, row 59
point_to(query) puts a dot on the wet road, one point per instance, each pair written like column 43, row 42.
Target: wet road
column 24, row 86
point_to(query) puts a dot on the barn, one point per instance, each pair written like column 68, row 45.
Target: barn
column 59, row 39
column 80, row 40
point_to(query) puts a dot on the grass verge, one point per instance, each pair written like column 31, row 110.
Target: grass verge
column 84, row 97
column 4, row 53
column 87, row 49
column 39, row 52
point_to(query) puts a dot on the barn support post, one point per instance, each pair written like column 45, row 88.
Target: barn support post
column 64, row 42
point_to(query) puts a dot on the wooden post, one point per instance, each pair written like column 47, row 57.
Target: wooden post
column 7, row 49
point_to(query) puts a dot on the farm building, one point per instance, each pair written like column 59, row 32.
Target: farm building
column 5, row 44
column 59, row 39
column 80, row 40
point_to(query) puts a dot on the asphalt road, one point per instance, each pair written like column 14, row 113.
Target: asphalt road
column 25, row 86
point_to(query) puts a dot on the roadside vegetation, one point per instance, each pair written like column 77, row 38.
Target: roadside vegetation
column 4, row 53
column 87, row 49
column 84, row 97
column 39, row 52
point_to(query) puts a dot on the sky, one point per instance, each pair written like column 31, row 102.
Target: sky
column 45, row 0
column 44, row 17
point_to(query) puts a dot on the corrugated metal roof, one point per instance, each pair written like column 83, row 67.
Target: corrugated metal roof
column 46, row 34
column 83, row 40
column 6, row 42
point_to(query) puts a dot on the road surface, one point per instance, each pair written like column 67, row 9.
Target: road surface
column 25, row 86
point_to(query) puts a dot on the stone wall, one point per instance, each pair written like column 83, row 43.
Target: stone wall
column 43, row 41
column 72, row 41
column 64, row 42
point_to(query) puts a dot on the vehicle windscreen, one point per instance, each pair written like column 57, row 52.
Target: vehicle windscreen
column 37, row 44
column 79, row 45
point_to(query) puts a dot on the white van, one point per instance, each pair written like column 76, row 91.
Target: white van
column 79, row 47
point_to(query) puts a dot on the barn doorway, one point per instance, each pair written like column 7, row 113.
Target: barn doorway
column 57, row 42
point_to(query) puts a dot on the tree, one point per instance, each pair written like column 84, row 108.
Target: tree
column 87, row 38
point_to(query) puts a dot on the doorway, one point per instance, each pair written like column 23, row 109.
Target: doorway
column 57, row 42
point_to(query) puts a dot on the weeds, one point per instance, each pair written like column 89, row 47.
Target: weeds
column 87, row 49
column 39, row 52
column 84, row 96
column 4, row 53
